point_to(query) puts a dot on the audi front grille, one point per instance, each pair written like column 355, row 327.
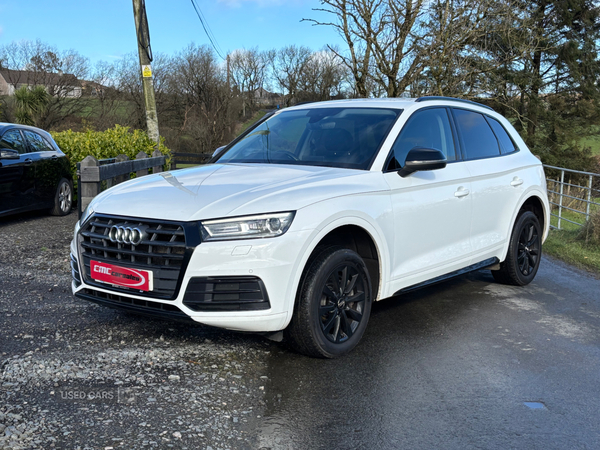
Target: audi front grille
column 164, row 248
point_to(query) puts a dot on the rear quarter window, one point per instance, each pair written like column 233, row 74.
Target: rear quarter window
column 478, row 139
column 506, row 143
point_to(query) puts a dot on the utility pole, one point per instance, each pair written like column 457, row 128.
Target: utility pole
column 145, row 52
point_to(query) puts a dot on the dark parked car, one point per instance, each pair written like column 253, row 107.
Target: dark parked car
column 34, row 172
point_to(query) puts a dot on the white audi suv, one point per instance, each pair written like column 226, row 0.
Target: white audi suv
column 314, row 213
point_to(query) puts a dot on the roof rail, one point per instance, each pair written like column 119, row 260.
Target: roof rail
column 462, row 100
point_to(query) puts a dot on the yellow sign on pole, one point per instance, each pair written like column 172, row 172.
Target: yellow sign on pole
column 147, row 71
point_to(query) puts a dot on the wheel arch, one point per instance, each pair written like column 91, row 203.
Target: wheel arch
column 533, row 201
column 358, row 240
column 536, row 206
column 356, row 234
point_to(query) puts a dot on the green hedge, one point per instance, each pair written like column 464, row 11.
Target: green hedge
column 105, row 144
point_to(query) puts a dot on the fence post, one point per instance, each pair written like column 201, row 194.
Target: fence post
column 560, row 200
column 141, row 173
column 589, row 199
column 120, row 178
column 157, row 169
column 173, row 161
column 79, row 210
column 89, row 189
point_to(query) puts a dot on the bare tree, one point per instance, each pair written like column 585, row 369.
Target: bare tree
column 323, row 77
column 382, row 41
column 101, row 87
column 206, row 110
column 128, row 83
column 248, row 71
column 288, row 65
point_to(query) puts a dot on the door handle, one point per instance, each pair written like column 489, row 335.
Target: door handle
column 54, row 157
column 461, row 192
column 28, row 161
column 516, row 182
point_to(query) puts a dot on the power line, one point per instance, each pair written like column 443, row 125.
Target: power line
column 207, row 29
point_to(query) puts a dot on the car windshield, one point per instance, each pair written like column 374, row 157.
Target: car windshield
column 332, row 137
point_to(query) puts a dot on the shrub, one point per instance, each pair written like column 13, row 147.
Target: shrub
column 105, row 144
column 32, row 105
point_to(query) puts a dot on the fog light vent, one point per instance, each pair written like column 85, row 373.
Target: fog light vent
column 226, row 294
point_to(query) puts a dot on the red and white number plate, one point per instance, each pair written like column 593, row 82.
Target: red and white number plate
column 121, row 276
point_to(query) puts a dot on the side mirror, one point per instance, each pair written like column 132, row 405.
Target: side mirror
column 7, row 153
column 217, row 151
column 420, row 158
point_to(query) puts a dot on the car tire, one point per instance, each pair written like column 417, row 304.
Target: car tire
column 524, row 252
column 333, row 305
column 63, row 199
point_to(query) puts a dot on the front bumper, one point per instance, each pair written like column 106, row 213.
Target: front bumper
column 273, row 262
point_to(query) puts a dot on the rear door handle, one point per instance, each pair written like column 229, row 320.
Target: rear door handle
column 54, row 157
column 461, row 192
column 516, row 182
column 28, row 161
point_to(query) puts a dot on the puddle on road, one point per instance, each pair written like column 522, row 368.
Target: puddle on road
column 535, row 405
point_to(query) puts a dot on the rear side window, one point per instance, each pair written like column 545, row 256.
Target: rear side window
column 37, row 142
column 477, row 137
column 506, row 143
column 429, row 128
column 13, row 140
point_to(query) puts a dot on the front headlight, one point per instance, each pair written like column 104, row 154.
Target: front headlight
column 247, row 227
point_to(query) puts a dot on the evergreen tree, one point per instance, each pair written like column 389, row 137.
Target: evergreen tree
column 547, row 76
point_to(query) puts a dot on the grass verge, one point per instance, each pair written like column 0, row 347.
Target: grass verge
column 564, row 245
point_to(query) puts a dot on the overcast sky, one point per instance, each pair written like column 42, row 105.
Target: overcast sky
column 105, row 30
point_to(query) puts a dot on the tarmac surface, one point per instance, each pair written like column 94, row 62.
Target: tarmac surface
column 466, row 364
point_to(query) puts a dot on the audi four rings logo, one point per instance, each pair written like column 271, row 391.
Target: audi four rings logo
column 127, row 235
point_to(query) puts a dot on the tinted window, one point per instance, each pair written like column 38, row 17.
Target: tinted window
column 429, row 128
column 37, row 142
column 12, row 139
column 506, row 143
column 333, row 137
column 477, row 137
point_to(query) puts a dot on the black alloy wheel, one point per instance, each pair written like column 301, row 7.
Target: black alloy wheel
column 524, row 252
column 528, row 249
column 333, row 304
column 342, row 303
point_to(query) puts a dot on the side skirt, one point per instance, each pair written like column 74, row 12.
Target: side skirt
column 488, row 263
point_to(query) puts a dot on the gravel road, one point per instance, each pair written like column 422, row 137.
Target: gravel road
column 466, row 364
column 77, row 375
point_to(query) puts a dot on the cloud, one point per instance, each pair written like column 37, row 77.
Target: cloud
column 1, row 30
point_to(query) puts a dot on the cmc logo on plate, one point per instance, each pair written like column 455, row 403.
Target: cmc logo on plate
column 121, row 276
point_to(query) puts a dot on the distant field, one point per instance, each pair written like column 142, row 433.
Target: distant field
column 593, row 141
column 257, row 115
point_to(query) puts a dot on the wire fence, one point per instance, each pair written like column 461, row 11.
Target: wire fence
column 573, row 195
